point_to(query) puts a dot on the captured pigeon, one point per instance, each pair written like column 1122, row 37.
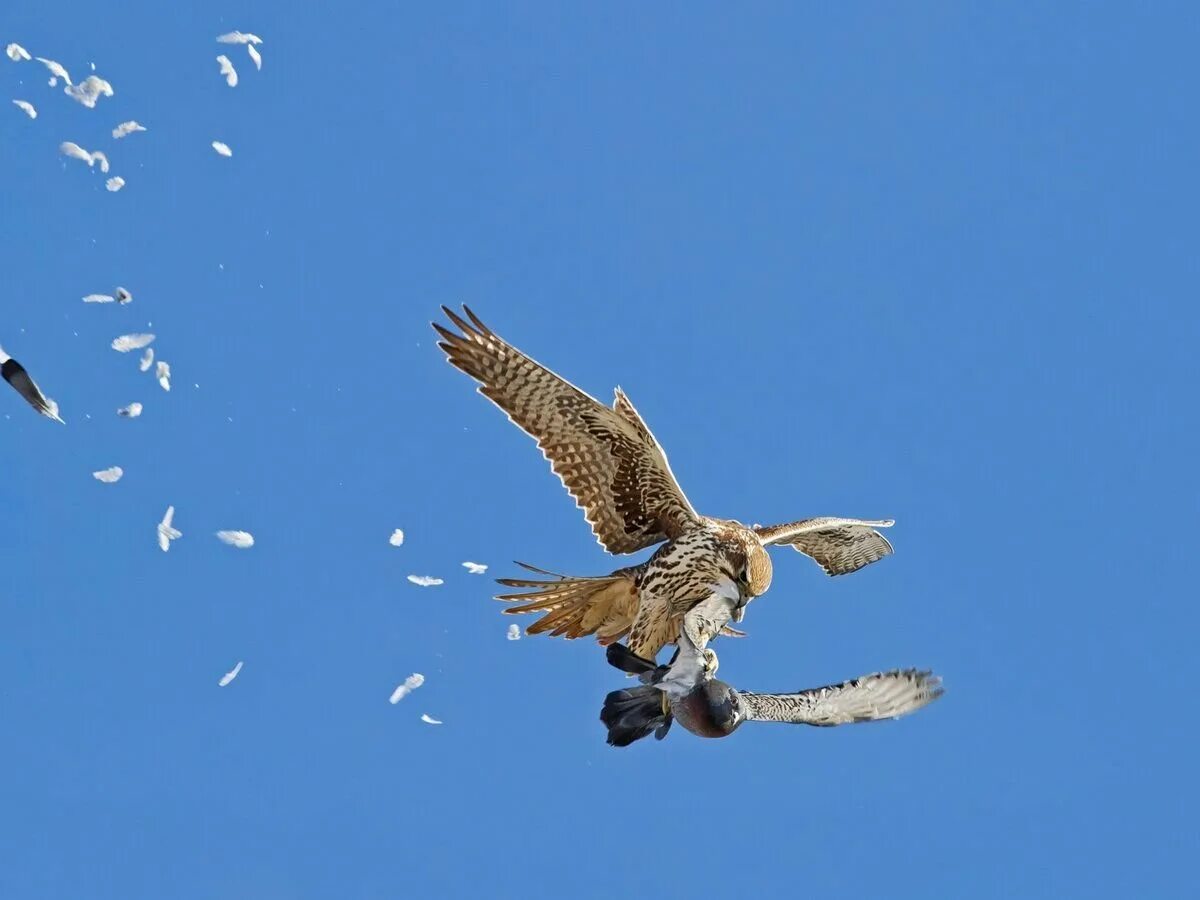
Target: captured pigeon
column 255, row 55
column 228, row 70
column 14, row 373
column 163, row 372
column 132, row 411
column 235, row 37
column 127, row 128
column 109, row 476
column 89, row 90
column 127, row 342
column 73, row 150
column 221, row 148
column 166, row 533
column 56, row 71
column 243, row 540
column 147, row 360
column 16, row 52
column 27, row 107
column 230, row 675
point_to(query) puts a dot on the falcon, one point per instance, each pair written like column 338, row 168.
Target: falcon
column 611, row 464
column 711, row 708
column 14, row 373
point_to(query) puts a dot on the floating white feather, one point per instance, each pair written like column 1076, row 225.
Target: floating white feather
column 126, row 128
column 230, row 675
column 228, row 70
column 127, row 342
column 243, row 540
column 425, row 580
column 411, row 683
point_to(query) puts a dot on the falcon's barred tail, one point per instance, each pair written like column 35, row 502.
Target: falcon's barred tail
column 634, row 713
column 576, row 607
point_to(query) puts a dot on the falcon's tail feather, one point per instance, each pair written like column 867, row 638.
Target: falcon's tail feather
column 576, row 607
column 634, row 713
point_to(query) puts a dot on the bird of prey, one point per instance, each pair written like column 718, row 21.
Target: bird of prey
column 611, row 464
column 14, row 373
column 712, row 708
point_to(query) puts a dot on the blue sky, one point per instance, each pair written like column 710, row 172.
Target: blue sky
column 935, row 264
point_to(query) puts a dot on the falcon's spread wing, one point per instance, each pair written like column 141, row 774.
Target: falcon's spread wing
column 840, row 546
column 883, row 695
column 607, row 458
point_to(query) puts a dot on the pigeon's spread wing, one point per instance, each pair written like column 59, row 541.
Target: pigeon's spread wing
column 607, row 458
column 840, row 546
column 883, row 695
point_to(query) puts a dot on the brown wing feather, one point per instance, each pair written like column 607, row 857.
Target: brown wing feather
column 576, row 607
column 840, row 546
column 607, row 458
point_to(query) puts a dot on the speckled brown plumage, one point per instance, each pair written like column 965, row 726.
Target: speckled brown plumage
column 610, row 462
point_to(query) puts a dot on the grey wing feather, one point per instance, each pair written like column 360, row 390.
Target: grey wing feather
column 607, row 458
column 882, row 695
column 839, row 545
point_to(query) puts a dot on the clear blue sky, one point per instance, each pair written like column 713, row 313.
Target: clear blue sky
column 932, row 263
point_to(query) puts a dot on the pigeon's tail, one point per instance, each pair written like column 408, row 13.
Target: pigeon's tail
column 634, row 713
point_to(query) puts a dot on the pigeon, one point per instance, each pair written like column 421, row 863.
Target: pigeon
column 147, row 360
column 430, row 720
column 425, row 580
column 127, row 342
column 223, row 149
column 109, row 476
column 56, row 71
column 228, row 70
column 132, row 411
column 163, row 372
column 230, row 675
column 123, row 296
column 166, row 533
column 114, row 184
column 236, row 37
column 73, row 150
column 255, row 55
column 475, row 568
column 27, row 107
column 126, row 128
column 16, row 52
column 411, row 683
column 397, row 538
column 243, row 540
column 89, row 90
column 14, row 373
